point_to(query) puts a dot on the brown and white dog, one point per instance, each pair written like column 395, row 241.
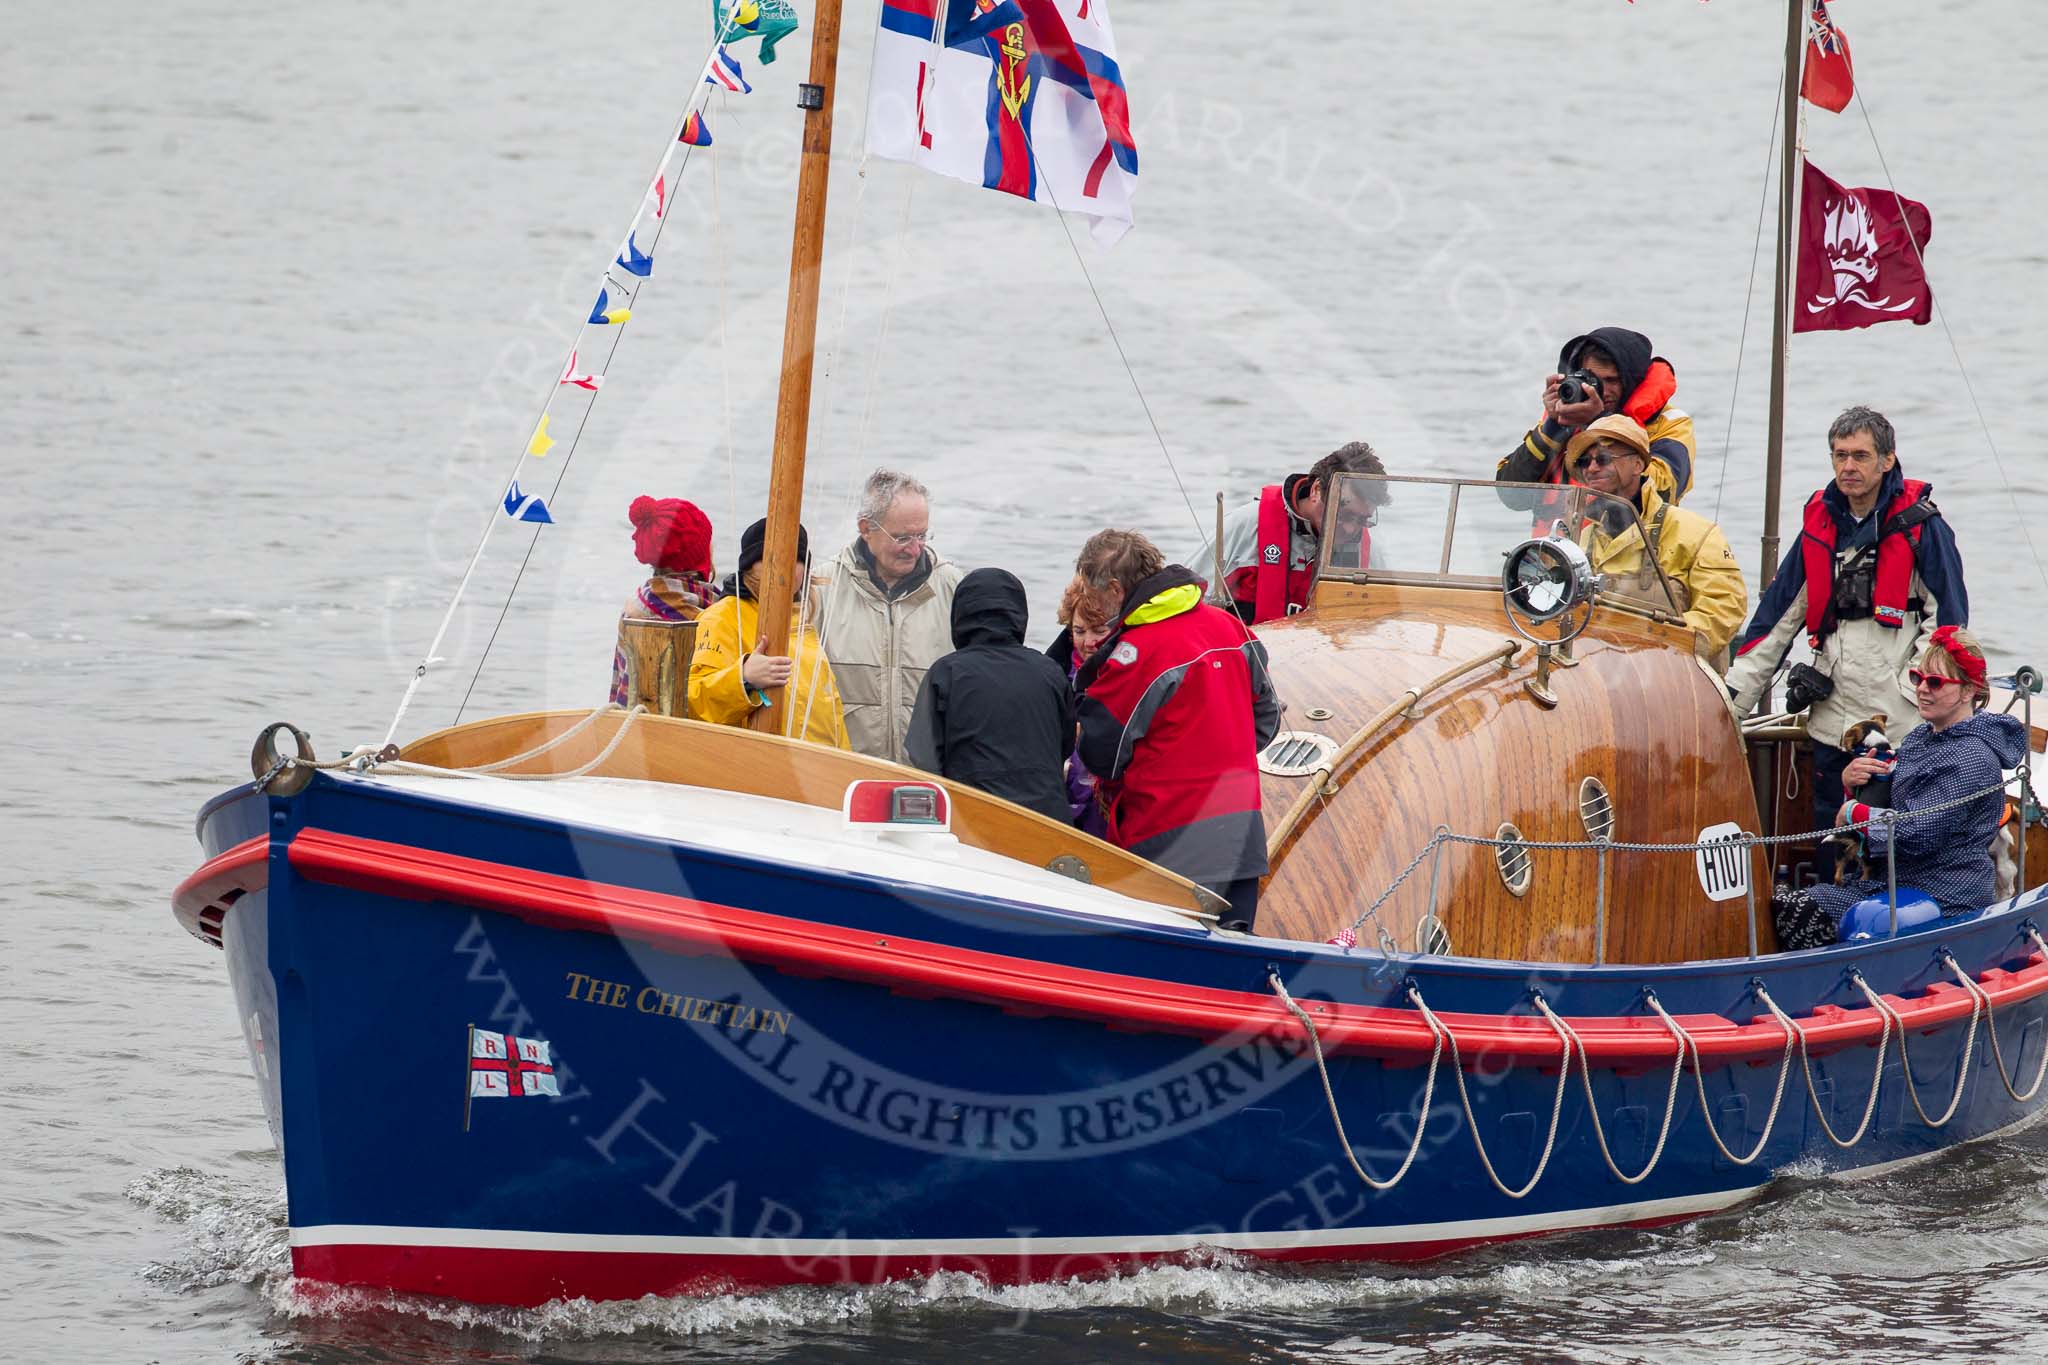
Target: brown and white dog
column 1852, row 863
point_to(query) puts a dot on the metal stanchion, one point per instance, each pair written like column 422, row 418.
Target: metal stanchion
column 1749, row 888
column 1890, row 820
column 1600, row 907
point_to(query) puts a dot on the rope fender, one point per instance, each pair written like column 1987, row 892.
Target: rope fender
column 1890, row 1021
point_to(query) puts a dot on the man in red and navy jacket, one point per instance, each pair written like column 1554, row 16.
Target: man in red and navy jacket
column 1872, row 576
column 1270, row 546
column 1175, row 706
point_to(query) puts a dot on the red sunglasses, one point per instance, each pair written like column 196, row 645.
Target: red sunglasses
column 1933, row 680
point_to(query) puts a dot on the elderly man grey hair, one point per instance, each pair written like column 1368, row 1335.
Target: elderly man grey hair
column 888, row 611
column 882, row 489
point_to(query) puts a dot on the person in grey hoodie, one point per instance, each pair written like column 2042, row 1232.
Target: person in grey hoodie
column 1960, row 751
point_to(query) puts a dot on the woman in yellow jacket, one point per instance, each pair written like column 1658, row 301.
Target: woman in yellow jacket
column 1612, row 456
column 727, row 675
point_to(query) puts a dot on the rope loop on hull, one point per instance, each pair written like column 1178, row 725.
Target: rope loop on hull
column 1884, row 1033
column 1978, row 993
column 1593, row 1108
column 1428, row 1088
column 1699, row 1076
column 1912, row 1087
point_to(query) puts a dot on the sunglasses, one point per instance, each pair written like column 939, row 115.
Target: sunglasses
column 1930, row 680
column 1600, row 459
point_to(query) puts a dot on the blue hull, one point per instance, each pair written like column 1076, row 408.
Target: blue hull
column 855, row 1086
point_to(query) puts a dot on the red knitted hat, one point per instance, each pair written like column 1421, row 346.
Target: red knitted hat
column 671, row 535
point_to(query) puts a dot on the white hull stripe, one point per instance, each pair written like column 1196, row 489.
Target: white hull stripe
column 1475, row 1229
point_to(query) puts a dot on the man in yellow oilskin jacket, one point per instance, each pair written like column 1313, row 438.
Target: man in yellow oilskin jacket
column 1612, row 456
column 729, row 674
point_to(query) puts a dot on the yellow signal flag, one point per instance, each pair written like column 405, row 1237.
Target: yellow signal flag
column 541, row 443
column 616, row 316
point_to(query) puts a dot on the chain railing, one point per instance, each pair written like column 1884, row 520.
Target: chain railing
column 1890, row 820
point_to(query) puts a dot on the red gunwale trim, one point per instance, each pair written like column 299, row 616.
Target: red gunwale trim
column 201, row 901
column 918, row 967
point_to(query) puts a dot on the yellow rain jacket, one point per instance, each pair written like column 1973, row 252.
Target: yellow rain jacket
column 1693, row 554
column 726, row 633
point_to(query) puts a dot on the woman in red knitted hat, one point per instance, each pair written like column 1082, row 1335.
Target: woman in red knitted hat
column 673, row 538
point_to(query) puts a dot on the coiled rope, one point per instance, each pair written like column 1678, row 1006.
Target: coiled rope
column 366, row 759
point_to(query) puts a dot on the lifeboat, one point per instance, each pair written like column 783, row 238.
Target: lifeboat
column 603, row 1004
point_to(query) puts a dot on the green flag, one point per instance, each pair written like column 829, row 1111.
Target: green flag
column 769, row 20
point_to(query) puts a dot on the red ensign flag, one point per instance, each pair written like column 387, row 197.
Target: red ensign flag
column 1829, row 81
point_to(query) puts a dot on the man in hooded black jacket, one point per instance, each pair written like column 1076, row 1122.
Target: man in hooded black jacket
column 994, row 714
column 1632, row 380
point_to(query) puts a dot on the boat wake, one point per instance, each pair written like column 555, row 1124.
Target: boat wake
column 237, row 1235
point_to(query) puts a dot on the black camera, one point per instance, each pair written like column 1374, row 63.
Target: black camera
column 1577, row 387
column 1805, row 685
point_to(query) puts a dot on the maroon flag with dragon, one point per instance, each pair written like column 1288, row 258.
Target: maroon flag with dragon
column 1857, row 264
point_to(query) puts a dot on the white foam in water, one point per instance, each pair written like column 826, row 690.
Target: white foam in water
column 239, row 1236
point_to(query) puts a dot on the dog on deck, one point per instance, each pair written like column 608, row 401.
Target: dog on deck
column 1852, row 860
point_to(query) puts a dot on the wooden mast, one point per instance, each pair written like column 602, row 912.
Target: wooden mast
column 1781, row 277
column 799, row 343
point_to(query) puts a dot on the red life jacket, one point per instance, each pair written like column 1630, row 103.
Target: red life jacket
column 1276, row 585
column 1897, row 537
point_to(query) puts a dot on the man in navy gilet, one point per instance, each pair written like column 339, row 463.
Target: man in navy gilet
column 1872, row 575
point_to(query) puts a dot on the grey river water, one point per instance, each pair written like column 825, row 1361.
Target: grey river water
column 281, row 287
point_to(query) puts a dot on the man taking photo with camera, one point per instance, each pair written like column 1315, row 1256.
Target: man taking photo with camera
column 1608, row 370
column 1873, row 574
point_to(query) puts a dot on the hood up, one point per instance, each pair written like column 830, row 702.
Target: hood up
column 989, row 608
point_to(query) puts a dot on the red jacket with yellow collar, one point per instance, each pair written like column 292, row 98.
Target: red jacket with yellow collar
column 1175, row 706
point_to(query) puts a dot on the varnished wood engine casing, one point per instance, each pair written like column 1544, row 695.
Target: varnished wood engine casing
column 1635, row 711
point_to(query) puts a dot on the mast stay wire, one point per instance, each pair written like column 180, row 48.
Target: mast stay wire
column 575, row 441
column 1971, row 389
column 1749, row 295
column 491, row 521
column 848, row 498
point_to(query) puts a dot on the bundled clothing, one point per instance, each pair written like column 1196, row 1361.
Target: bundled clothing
column 1945, row 855
column 1649, row 384
column 1694, row 557
column 1867, row 595
column 1084, row 794
column 882, row 639
column 994, row 714
column 1174, row 708
column 664, row 597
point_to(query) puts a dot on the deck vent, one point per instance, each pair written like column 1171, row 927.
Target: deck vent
column 1431, row 938
column 1512, row 859
column 1596, row 811
column 1296, row 753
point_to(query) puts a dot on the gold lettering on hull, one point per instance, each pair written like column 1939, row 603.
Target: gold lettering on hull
column 731, row 1015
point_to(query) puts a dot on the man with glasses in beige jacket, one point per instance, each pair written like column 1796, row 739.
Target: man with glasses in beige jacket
column 888, row 612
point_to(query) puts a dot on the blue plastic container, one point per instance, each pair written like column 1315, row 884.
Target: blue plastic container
column 1871, row 917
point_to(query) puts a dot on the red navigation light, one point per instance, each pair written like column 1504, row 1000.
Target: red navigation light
column 913, row 805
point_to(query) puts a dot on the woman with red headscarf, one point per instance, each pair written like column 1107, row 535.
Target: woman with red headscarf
column 673, row 538
column 1943, row 769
